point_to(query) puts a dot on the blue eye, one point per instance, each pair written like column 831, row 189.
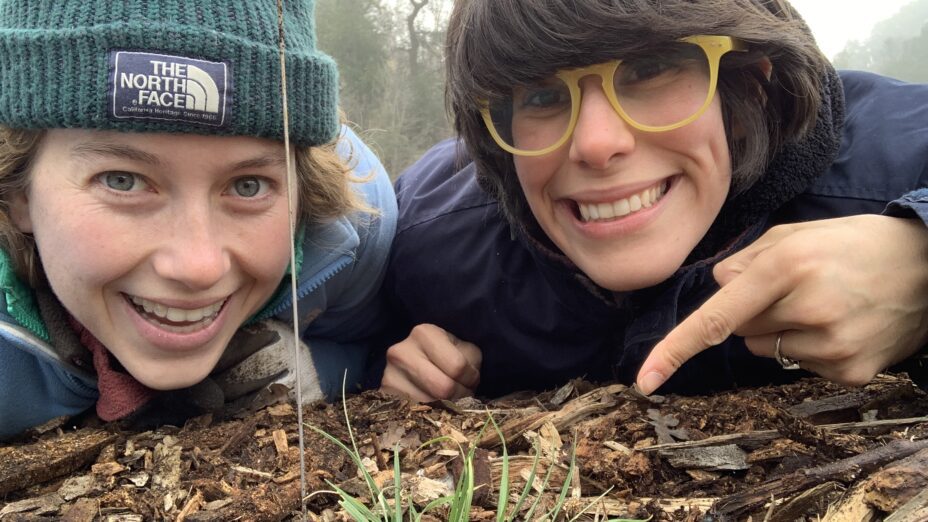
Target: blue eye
column 122, row 181
column 249, row 186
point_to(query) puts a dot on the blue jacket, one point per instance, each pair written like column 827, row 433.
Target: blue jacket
column 540, row 324
column 343, row 263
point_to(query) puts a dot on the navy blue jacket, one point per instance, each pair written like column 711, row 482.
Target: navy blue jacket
column 457, row 263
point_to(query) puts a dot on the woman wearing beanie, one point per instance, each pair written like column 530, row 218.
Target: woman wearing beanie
column 644, row 179
column 145, row 223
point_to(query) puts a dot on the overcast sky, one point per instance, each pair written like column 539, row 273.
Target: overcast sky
column 834, row 22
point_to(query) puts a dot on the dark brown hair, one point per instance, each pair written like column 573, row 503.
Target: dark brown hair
column 493, row 45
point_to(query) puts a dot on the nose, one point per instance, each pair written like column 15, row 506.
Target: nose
column 194, row 254
column 600, row 133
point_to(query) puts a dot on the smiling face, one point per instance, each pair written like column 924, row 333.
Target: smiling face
column 161, row 245
column 627, row 206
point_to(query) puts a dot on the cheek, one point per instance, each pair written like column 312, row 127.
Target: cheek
column 85, row 249
column 524, row 168
column 718, row 147
column 535, row 168
column 536, row 174
column 722, row 160
column 264, row 249
column 706, row 148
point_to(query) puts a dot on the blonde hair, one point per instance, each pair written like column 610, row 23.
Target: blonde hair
column 323, row 177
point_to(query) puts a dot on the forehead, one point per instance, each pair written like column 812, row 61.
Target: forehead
column 155, row 148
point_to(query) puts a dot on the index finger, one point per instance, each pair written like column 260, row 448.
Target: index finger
column 739, row 301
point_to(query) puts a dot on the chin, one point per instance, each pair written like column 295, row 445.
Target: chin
column 630, row 282
column 170, row 380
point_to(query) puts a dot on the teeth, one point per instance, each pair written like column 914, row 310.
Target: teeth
column 622, row 207
column 177, row 315
column 584, row 212
column 646, row 199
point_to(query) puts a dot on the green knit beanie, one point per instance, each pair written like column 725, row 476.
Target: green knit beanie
column 202, row 66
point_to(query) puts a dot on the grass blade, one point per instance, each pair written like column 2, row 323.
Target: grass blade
column 358, row 511
column 562, row 497
column 460, row 505
column 371, row 485
column 435, row 504
column 592, row 503
column 376, row 494
column 503, row 500
column 544, row 485
column 528, row 487
column 397, row 493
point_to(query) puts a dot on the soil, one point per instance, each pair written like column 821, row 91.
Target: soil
column 811, row 450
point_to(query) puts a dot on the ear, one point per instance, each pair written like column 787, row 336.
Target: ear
column 19, row 212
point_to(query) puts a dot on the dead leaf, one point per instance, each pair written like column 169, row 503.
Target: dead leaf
column 391, row 436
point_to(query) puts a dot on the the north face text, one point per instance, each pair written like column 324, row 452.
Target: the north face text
column 163, row 87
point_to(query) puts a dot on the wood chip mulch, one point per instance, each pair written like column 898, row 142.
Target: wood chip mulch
column 806, row 451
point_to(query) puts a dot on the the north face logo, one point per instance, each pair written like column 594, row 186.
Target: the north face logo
column 164, row 87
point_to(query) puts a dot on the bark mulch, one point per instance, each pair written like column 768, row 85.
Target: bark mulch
column 811, row 450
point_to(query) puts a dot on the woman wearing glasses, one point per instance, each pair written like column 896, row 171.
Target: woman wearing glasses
column 680, row 194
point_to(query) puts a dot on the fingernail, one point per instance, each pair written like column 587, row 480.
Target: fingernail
column 650, row 382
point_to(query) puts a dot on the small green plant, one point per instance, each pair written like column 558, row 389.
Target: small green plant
column 354, row 507
column 458, row 503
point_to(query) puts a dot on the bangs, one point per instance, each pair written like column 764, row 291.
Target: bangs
column 516, row 42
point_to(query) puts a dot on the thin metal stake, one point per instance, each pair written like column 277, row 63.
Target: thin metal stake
column 291, row 181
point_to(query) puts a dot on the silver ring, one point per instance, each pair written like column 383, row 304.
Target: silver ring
column 786, row 362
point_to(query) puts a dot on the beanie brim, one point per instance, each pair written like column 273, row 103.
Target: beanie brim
column 63, row 79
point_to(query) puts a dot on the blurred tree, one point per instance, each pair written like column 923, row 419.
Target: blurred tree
column 353, row 33
column 897, row 46
column 389, row 54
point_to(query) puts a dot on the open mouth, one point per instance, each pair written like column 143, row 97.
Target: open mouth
column 612, row 210
column 178, row 320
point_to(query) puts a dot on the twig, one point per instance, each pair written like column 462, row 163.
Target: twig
column 845, row 470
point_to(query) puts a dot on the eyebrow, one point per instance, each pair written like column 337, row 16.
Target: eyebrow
column 270, row 160
column 117, row 150
column 114, row 150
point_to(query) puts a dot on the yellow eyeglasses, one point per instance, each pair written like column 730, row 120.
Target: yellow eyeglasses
column 666, row 89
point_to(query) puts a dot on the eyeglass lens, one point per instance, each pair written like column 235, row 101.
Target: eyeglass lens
column 661, row 88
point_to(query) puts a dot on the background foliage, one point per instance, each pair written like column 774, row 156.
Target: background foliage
column 389, row 54
column 897, row 47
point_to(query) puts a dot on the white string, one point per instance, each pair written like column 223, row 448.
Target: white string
column 291, row 177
